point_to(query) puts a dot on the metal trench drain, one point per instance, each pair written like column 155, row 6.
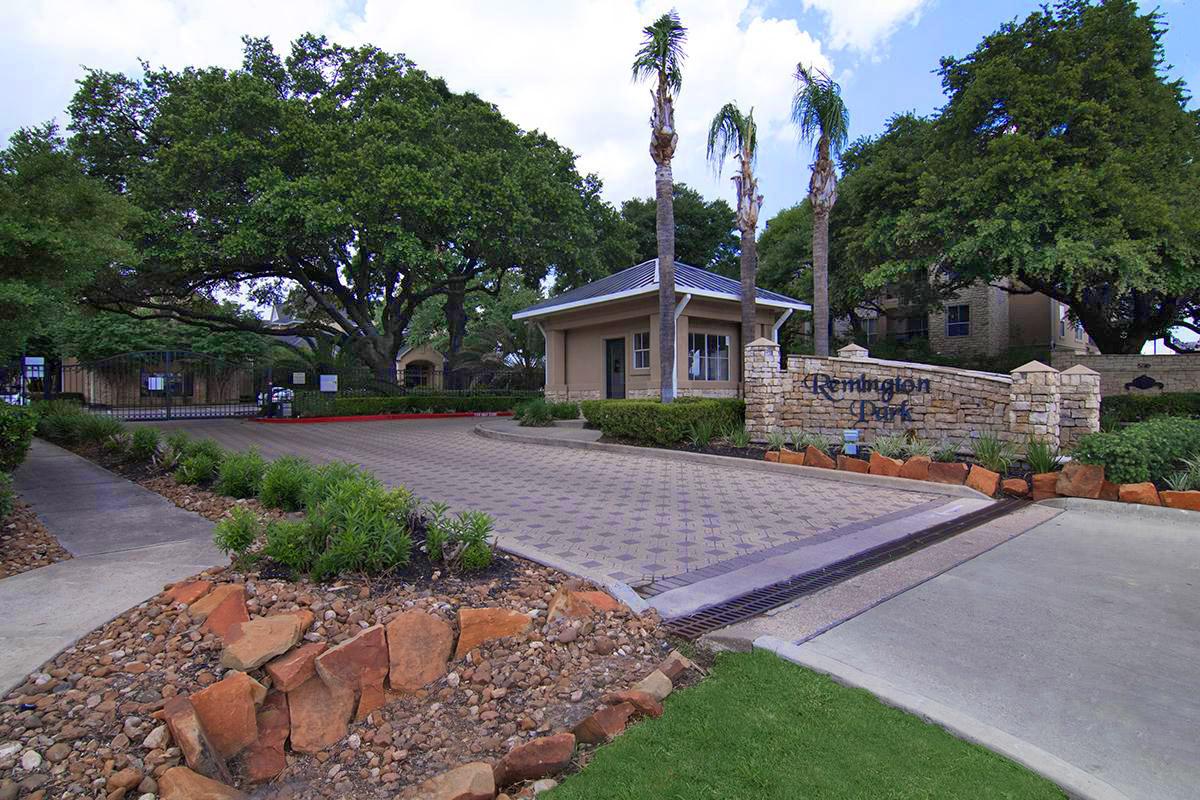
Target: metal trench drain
column 760, row 601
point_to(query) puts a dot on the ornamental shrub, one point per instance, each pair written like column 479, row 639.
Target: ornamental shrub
column 536, row 414
column 240, row 474
column 568, row 409
column 312, row 404
column 143, row 445
column 654, row 423
column 6, row 495
column 197, row 468
column 293, row 543
column 1138, row 408
column 17, row 425
column 95, row 428
column 1143, row 451
column 234, row 534
column 325, row 477
column 285, row 483
column 365, row 528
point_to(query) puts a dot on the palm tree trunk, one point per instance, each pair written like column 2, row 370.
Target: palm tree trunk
column 820, row 257
column 664, row 224
column 749, row 264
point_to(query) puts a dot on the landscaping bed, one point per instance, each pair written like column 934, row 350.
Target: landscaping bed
column 25, row 543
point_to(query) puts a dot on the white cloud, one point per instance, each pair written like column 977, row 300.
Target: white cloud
column 559, row 67
column 865, row 25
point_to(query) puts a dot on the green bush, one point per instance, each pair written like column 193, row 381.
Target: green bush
column 234, row 534
column 325, row 477
column 993, row 453
column 17, row 425
column 568, row 409
column 652, row 422
column 1139, row 407
column 295, row 544
column 1144, row 451
column 96, row 428
column 892, row 446
column 285, row 483
column 1042, row 456
column 460, row 542
column 197, row 468
column 536, row 414
column 144, row 444
column 60, row 421
column 240, row 474
column 365, row 528
column 737, row 436
column 179, row 441
column 312, row 404
column 6, row 495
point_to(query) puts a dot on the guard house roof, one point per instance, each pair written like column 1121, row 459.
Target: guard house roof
column 643, row 279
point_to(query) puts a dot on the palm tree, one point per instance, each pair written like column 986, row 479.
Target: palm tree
column 731, row 130
column 660, row 58
column 818, row 110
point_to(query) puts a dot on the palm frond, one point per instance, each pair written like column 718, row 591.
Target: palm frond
column 661, row 54
column 731, row 130
column 818, row 109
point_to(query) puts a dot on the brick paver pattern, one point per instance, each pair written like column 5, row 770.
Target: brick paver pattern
column 634, row 518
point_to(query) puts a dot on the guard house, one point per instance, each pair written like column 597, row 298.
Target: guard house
column 602, row 338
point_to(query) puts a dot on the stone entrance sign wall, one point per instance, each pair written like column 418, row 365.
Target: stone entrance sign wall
column 853, row 390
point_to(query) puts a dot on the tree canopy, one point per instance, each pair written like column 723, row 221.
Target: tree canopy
column 89, row 336
column 346, row 173
column 705, row 231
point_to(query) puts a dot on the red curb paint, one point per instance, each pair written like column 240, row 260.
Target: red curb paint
column 381, row 417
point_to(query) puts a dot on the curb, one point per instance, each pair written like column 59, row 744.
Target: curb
column 1181, row 516
column 1076, row 782
column 832, row 475
column 378, row 417
column 622, row 592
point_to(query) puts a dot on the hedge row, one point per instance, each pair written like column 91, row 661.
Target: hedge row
column 317, row 406
column 16, row 432
column 652, row 422
column 1137, row 408
column 1143, row 451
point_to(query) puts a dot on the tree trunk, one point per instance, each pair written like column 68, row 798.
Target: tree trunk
column 456, row 326
column 820, row 257
column 749, row 264
column 664, row 224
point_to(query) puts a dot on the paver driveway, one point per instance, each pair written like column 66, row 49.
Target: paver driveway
column 631, row 517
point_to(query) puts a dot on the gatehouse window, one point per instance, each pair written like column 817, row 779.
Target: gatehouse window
column 958, row 320
column 641, row 350
column 708, row 357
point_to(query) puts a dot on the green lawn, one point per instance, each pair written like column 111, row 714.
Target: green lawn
column 760, row 727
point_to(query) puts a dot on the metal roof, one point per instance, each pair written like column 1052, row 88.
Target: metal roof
column 643, row 279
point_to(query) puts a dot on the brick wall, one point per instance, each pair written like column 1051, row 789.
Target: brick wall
column 1176, row 373
column 853, row 390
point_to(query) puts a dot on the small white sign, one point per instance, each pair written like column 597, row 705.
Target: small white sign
column 35, row 361
column 154, row 383
column 329, row 383
column 297, row 378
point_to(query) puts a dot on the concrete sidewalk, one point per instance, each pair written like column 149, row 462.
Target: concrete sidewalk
column 126, row 541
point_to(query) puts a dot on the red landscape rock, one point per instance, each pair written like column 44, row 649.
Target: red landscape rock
column 294, row 668
column 984, row 480
column 814, row 457
column 473, row 781
column 228, row 613
column 579, row 604
column 251, row 644
column 180, row 783
column 916, row 468
column 1110, row 491
column 1141, row 493
column 264, row 758
column 1185, row 500
column 357, row 662
column 882, row 465
column 226, row 710
column 200, row 609
column 1015, row 487
column 479, row 625
column 953, row 472
column 191, row 739
column 319, row 714
column 675, row 664
column 850, row 464
column 791, row 457
column 771, row 455
column 656, row 684
column 604, row 725
column 600, row 602
column 643, row 704
column 1045, row 485
column 124, row 779
column 1080, row 480
column 535, row 759
column 419, row 647
column 371, row 697
column 188, row 592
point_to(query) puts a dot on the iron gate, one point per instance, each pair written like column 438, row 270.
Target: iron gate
column 167, row 384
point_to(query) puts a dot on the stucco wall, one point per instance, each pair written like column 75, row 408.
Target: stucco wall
column 1176, row 373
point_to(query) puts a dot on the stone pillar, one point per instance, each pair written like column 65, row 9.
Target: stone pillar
column 1079, row 404
column 1033, row 405
column 763, row 389
column 855, row 352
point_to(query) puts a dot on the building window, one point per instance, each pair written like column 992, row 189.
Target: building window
column 917, row 327
column 958, row 320
column 871, row 329
column 641, row 350
column 1078, row 332
column 708, row 357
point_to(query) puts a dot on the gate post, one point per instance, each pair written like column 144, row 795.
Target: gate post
column 167, row 383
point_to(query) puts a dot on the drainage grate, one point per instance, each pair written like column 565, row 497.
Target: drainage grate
column 762, row 600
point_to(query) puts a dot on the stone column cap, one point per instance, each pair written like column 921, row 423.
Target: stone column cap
column 1034, row 366
column 1080, row 369
column 763, row 342
column 853, row 351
